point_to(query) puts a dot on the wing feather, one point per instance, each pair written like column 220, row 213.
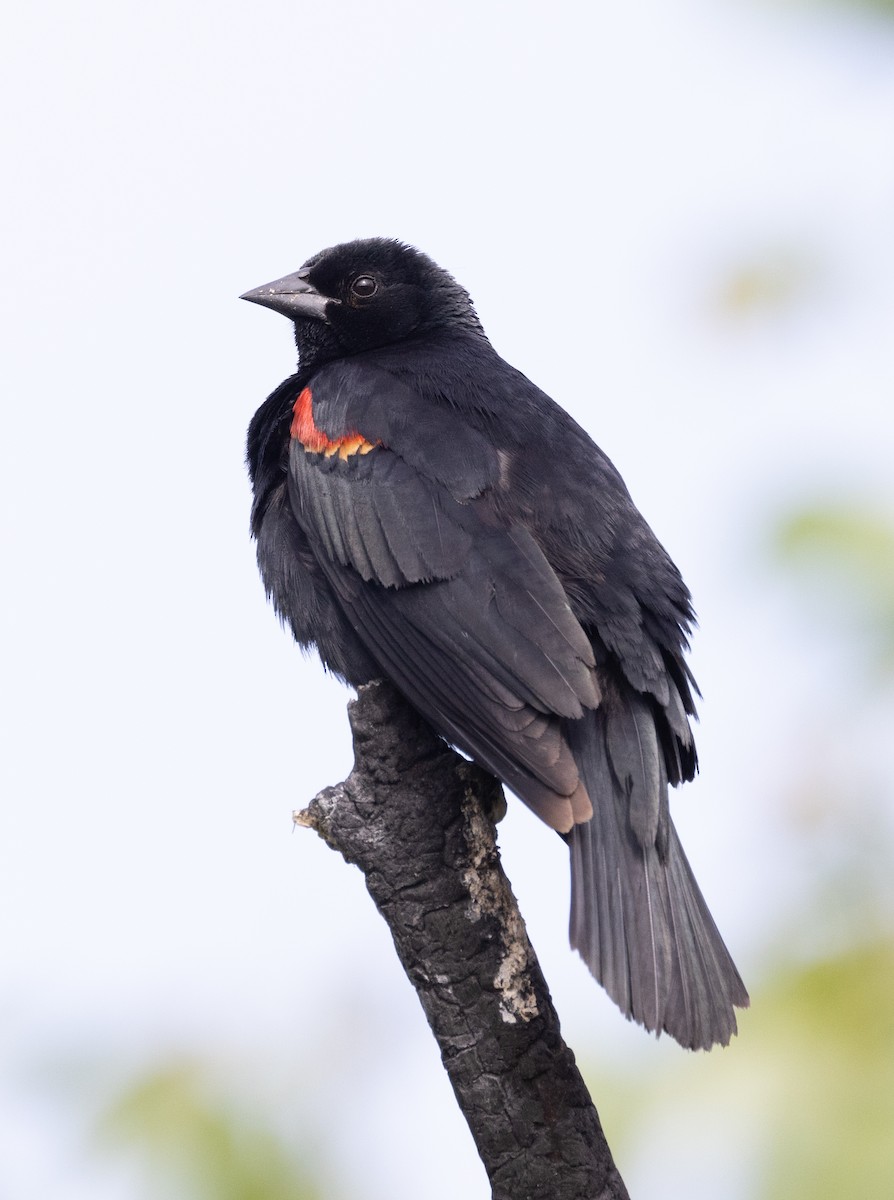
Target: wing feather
column 356, row 395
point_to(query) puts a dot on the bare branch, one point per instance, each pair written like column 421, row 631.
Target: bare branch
column 418, row 821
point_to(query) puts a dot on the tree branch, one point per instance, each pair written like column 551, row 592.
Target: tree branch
column 418, row 821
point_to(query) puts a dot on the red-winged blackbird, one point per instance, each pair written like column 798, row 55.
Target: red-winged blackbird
column 424, row 513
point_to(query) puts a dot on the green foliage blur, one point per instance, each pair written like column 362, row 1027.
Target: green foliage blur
column 826, row 1040
column 191, row 1139
column 826, row 1029
column 846, row 554
column 883, row 8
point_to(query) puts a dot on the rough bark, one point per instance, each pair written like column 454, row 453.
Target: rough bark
column 419, row 822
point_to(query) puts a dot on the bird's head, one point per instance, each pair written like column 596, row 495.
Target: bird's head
column 365, row 294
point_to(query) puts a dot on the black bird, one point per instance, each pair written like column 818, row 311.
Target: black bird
column 424, row 513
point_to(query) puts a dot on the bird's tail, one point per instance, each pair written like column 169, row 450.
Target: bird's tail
column 638, row 918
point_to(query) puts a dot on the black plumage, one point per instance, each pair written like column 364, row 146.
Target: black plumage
column 423, row 512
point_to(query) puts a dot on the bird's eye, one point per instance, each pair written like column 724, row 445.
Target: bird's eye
column 364, row 286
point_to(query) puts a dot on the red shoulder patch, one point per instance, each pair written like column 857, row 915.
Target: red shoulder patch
column 304, row 430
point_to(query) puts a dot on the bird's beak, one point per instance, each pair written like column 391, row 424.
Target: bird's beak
column 292, row 296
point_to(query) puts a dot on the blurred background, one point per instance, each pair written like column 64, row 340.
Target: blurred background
column 677, row 217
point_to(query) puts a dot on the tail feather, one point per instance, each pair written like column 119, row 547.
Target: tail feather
column 638, row 918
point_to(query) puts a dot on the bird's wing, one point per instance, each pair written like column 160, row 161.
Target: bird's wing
column 464, row 615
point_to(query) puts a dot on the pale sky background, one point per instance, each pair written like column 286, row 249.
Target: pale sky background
column 594, row 175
